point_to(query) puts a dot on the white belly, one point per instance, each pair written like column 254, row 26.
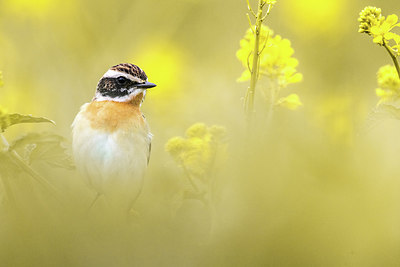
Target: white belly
column 113, row 163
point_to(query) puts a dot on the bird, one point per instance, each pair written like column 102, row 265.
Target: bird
column 111, row 140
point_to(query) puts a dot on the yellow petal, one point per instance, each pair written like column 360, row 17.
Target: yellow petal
column 380, row 92
column 378, row 39
column 392, row 19
column 246, row 75
column 389, row 35
column 396, row 38
column 198, row 130
column 298, row 77
column 375, row 30
column 292, row 102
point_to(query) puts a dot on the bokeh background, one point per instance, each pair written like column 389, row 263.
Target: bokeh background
column 319, row 187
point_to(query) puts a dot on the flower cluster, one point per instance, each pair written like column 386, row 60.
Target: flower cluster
column 196, row 153
column 370, row 17
column 277, row 63
column 389, row 85
column 374, row 24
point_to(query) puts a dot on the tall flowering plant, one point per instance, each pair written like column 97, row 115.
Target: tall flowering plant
column 267, row 56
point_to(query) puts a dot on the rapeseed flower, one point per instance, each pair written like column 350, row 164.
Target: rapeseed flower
column 370, row 17
column 389, row 85
column 380, row 28
column 277, row 64
column 276, row 57
column 382, row 32
column 196, row 152
column 291, row 102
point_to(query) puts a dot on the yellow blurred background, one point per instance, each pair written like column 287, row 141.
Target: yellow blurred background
column 319, row 187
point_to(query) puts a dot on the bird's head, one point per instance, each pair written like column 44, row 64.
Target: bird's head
column 123, row 83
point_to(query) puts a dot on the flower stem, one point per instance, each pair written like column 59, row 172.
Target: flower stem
column 254, row 68
column 393, row 56
column 249, row 99
column 192, row 183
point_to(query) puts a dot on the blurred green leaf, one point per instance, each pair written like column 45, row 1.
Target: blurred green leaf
column 46, row 147
column 7, row 120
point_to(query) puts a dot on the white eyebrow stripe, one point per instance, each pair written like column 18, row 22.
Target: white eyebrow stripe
column 116, row 74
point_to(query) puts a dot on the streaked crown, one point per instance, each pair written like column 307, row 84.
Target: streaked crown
column 122, row 82
column 129, row 69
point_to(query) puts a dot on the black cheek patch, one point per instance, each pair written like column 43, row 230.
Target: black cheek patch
column 111, row 88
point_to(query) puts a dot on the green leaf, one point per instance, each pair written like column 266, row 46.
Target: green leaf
column 7, row 120
column 392, row 19
column 47, row 147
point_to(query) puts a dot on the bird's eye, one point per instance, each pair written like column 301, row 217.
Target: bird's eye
column 121, row 80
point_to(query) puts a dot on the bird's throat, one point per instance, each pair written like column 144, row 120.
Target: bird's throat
column 110, row 116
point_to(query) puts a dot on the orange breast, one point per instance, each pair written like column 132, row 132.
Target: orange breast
column 110, row 116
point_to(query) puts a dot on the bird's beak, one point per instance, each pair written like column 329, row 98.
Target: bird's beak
column 146, row 85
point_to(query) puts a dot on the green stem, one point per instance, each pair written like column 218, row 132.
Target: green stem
column 254, row 69
column 393, row 56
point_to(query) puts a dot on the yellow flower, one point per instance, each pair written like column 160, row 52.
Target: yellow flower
column 370, row 17
column 276, row 58
column 292, row 102
column 197, row 130
column 1, row 79
column 175, row 146
column 389, row 84
column 382, row 32
column 244, row 54
column 196, row 152
column 373, row 23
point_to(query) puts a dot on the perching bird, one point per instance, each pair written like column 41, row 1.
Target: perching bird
column 111, row 139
